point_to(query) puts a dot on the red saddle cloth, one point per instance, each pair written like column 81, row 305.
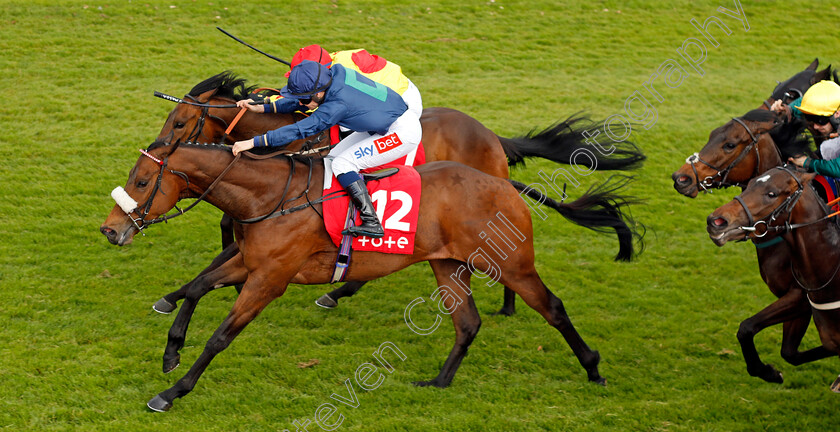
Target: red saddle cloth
column 397, row 203
column 829, row 185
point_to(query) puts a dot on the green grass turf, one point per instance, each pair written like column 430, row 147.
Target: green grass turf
column 80, row 347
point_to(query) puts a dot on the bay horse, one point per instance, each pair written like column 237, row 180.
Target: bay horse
column 448, row 134
column 781, row 204
column 295, row 247
column 736, row 153
column 793, row 88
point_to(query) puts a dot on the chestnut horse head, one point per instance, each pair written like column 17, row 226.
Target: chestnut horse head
column 151, row 183
column 736, row 152
column 767, row 206
column 207, row 112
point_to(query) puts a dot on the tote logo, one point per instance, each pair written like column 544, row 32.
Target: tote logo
column 387, row 143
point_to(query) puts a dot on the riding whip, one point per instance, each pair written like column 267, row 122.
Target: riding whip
column 249, row 46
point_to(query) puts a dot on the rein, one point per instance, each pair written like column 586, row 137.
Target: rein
column 199, row 126
column 143, row 223
column 710, row 182
column 786, row 206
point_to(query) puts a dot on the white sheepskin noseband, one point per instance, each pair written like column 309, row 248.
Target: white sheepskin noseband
column 126, row 203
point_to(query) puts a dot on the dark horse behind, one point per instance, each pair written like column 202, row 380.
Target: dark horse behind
column 781, row 204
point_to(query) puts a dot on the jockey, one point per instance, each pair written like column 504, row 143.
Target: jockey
column 368, row 65
column 384, row 128
column 820, row 107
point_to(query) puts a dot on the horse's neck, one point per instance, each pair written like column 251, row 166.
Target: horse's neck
column 251, row 187
column 814, row 244
column 769, row 153
column 252, row 124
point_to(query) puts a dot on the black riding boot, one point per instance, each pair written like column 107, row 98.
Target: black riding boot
column 370, row 226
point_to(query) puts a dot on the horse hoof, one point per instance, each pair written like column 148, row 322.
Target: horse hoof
column 835, row 386
column 158, row 404
column 431, row 383
column 504, row 312
column 326, row 302
column 600, row 381
column 164, row 307
column 770, row 374
column 170, row 365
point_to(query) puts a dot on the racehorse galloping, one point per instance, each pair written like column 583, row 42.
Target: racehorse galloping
column 737, row 152
column 447, row 135
column 295, row 248
column 780, row 204
column 793, row 88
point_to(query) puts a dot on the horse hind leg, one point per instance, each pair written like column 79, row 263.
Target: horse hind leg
column 508, row 305
column 464, row 315
column 533, row 291
column 330, row 299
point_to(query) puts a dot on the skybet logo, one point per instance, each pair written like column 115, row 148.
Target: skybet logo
column 387, row 143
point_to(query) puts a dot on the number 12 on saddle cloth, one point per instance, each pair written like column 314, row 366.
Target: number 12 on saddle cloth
column 397, row 202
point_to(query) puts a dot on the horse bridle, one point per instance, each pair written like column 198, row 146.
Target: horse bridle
column 791, row 94
column 205, row 108
column 786, row 206
column 140, row 221
column 710, row 182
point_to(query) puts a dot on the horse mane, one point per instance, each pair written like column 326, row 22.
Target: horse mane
column 226, row 84
column 759, row 115
column 789, row 137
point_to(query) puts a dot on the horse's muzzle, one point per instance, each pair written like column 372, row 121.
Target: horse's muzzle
column 719, row 229
column 684, row 184
column 117, row 238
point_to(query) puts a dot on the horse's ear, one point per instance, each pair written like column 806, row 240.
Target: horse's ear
column 765, row 126
column 204, row 97
column 807, row 177
column 814, row 64
column 821, row 75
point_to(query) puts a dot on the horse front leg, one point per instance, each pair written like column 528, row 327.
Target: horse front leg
column 330, row 299
column 257, row 293
column 233, row 271
column 791, row 306
column 169, row 302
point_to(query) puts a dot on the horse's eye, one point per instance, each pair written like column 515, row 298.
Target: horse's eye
column 142, row 183
column 729, row 146
column 179, row 125
column 772, row 194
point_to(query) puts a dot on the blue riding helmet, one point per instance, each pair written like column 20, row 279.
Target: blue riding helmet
column 306, row 79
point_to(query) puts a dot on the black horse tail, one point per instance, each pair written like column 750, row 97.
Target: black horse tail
column 563, row 142
column 599, row 209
